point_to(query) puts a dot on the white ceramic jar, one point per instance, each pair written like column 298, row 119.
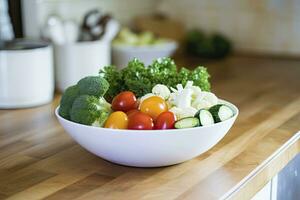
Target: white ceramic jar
column 26, row 74
column 76, row 60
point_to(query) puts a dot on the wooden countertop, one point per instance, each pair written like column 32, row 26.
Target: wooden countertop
column 38, row 160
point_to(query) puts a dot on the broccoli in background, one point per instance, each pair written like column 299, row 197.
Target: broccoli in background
column 203, row 46
column 90, row 110
column 93, row 85
column 67, row 100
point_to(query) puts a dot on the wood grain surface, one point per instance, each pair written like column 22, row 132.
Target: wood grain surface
column 38, row 160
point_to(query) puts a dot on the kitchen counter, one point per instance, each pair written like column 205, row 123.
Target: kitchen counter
column 39, row 160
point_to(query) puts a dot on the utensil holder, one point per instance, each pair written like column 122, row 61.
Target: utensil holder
column 76, row 60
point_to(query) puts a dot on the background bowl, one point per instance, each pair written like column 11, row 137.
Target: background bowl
column 121, row 54
column 149, row 148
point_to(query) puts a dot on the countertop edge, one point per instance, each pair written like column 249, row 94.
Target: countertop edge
column 236, row 191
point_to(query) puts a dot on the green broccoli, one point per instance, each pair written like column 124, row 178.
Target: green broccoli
column 90, row 110
column 67, row 100
column 93, row 85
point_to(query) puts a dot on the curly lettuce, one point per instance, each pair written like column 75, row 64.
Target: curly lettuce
column 140, row 79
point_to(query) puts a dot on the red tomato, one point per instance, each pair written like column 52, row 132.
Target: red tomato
column 131, row 112
column 153, row 106
column 165, row 120
column 124, row 101
column 140, row 121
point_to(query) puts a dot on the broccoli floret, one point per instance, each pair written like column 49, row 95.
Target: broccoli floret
column 90, row 110
column 67, row 100
column 93, row 85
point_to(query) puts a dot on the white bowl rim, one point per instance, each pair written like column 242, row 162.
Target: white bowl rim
column 172, row 131
column 171, row 44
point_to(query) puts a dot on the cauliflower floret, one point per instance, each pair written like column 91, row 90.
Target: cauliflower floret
column 182, row 113
column 205, row 100
column 182, row 97
column 185, row 98
column 179, row 87
column 161, row 90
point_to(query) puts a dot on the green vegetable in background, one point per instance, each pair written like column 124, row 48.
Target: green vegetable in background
column 140, row 79
column 128, row 37
column 67, row 100
column 89, row 110
column 200, row 45
column 93, row 85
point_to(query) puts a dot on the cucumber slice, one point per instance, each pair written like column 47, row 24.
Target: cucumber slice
column 205, row 117
column 188, row 122
column 221, row 112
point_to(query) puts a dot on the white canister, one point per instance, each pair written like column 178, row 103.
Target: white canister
column 26, row 74
column 76, row 60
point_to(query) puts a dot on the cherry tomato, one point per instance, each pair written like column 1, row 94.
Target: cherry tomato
column 124, row 101
column 165, row 120
column 140, row 121
column 117, row 120
column 131, row 112
column 153, row 106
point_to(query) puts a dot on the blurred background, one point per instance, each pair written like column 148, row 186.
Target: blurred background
column 61, row 41
column 48, row 45
column 268, row 26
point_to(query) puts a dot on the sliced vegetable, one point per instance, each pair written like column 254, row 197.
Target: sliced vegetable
column 161, row 90
column 140, row 121
column 205, row 117
column 124, row 101
column 117, row 120
column 153, row 106
column 165, row 120
column 188, row 122
column 221, row 112
column 183, row 112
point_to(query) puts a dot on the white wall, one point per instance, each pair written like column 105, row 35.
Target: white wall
column 266, row 26
column 36, row 12
column 271, row 26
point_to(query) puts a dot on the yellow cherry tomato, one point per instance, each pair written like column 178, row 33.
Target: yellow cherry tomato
column 117, row 120
column 153, row 106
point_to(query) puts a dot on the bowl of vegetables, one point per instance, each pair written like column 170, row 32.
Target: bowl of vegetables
column 144, row 46
column 137, row 118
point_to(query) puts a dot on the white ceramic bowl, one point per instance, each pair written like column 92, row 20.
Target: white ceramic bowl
column 121, row 54
column 149, row 148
